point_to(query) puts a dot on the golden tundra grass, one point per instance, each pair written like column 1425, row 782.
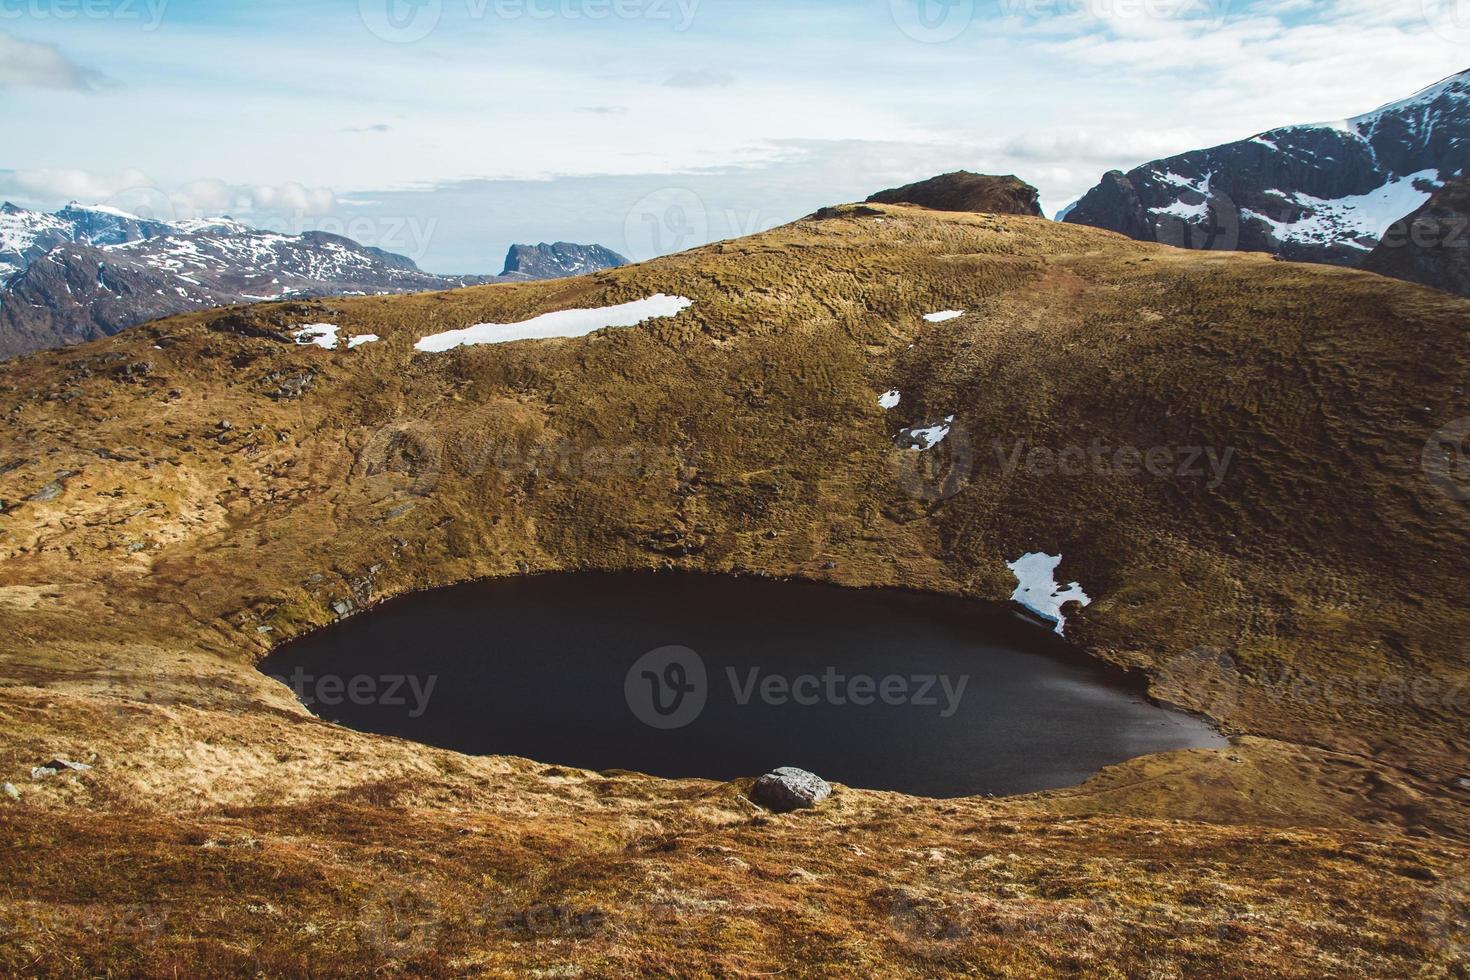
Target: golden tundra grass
column 215, row 489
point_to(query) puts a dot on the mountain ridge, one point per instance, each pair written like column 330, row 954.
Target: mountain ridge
column 84, row 272
column 1324, row 192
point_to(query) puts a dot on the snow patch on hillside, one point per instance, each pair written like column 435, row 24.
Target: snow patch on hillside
column 564, row 323
column 1359, row 220
column 1038, row 591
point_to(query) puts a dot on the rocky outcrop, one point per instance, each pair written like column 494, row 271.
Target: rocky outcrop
column 964, row 191
column 1319, row 193
column 554, row 261
column 1432, row 245
column 786, row 789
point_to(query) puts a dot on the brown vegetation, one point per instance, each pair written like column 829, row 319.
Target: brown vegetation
column 180, row 497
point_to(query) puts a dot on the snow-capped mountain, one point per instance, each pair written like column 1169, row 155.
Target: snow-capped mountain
column 28, row 235
column 545, row 261
column 1323, row 193
column 82, row 273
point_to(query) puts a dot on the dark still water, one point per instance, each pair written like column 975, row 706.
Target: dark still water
column 686, row 675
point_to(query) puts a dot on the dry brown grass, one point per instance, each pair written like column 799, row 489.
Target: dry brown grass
column 134, row 604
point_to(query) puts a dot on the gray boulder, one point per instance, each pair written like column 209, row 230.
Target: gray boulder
column 786, row 789
column 56, row 767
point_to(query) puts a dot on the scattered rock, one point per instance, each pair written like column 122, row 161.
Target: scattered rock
column 1461, row 782
column 47, row 493
column 11, row 791
column 287, row 385
column 56, row 767
column 786, row 789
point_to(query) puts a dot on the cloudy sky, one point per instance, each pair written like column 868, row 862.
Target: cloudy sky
column 447, row 129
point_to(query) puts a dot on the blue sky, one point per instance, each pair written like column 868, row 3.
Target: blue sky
column 446, row 129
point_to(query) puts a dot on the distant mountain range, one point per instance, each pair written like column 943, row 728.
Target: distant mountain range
column 1318, row 193
column 85, row 272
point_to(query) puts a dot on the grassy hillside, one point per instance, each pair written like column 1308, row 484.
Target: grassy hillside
column 1232, row 463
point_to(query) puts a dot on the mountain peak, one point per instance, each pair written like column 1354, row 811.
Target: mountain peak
column 1319, row 193
column 552, row 261
column 966, row 191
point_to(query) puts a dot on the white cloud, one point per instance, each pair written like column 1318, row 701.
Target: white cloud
column 134, row 191
column 36, row 65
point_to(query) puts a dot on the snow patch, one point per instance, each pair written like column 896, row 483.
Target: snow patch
column 926, row 438
column 1038, row 591
column 564, row 323
column 890, row 399
column 1341, row 220
column 362, row 338
column 944, row 315
column 323, row 335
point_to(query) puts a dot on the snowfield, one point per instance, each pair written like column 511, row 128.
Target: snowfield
column 1038, row 591
column 564, row 323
